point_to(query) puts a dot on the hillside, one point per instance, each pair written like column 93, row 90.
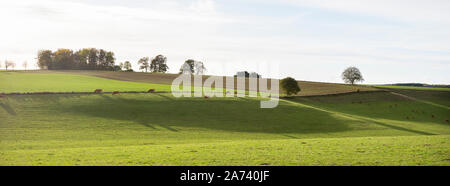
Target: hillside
column 84, row 81
column 157, row 129
column 398, row 127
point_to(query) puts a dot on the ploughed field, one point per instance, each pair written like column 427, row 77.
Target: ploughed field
column 366, row 128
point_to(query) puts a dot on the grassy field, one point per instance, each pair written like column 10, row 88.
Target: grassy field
column 155, row 79
column 157, row 129
column 62, row 82
column 367, row 128
column 411, row 87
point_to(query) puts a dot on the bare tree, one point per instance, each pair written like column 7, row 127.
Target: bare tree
column 9, row 64
column 13, row 65
column 352, row 75
column 25, row 64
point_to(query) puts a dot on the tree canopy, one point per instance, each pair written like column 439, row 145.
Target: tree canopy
column 83, row 59
column 191, row 66
column 144, row 64
column 352, row 75
column 290, row 86
column 158, row 64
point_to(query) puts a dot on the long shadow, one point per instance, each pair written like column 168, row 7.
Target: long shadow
column 365, row 119
column 243, row 115
column 165, row 97
column 8, row 109
column 402, row 128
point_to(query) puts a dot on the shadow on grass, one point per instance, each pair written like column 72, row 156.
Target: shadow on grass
column 227, row 114
column 8, row 108
column 366, row 119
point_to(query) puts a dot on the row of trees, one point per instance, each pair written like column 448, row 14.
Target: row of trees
column 11, row 64
column 157, row 64
column 99, row 59
column 83, row 59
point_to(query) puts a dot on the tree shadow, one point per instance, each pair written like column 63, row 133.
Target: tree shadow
column 368, row 119
column 8, row 108
column 227, row 114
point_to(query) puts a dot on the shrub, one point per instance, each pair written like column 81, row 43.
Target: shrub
column 290, row 86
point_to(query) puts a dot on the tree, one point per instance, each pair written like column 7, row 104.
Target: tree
column 352, row 75
column 86, row 58
column 187, row 67
column 81, row 58
column 116, row 68
column 13, row 65
column 243, row 74
column 63, row 59
column 191, row 66
column 25, row 64
column 290, row 86
column 144, row 64
column 199, row 68
column 9, row 64
column 92, row 58
column 158, row 64
column 101, row 63
column 45, row 59
column 127, row 66
column 109, row 60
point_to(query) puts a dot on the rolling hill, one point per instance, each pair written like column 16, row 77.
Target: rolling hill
column 365, row 128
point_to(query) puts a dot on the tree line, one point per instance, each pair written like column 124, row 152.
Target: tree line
column 83, row 59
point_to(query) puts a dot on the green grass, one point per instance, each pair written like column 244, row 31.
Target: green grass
column 370, row 128
column 411, row 150
column 59, row 82
column 412, row 87
column 157, row 129
column 308, row 88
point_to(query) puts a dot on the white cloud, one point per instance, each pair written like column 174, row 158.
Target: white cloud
column 199, row 29
column 406, row 10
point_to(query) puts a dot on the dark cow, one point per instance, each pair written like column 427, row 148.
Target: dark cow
column 206, row 97
column 151, row 91
column 98, row 91
column 115, row 93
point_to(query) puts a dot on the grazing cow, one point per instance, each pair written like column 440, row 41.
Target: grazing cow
column 115, row 93
column 151, row 91
column 98, row 91
column 206, row 97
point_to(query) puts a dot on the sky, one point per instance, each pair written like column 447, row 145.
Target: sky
column 390, row 41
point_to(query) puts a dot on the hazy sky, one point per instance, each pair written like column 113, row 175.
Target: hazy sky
column 389, row 40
